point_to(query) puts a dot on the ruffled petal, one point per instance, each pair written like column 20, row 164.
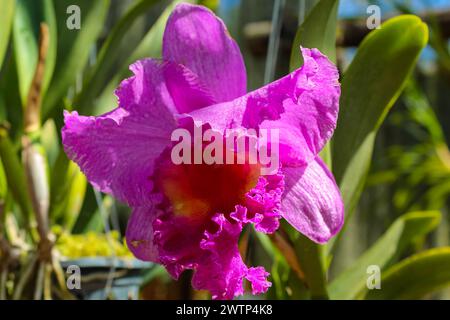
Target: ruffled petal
column 303, row 106
column 312, row 202
column 258, row 279
column 264, row 203
column 178, row 241
column 117, row 150
column 222, row 270
column 308, row 123
column 139, row 234
column 211, row 250
column 196, row 38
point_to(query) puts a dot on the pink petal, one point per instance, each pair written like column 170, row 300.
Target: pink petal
column 197, row 39
column 222, row 271
column 139, row 234
column 264, row 203
column 308, row 123
column 211, row 250
column 258, row 278
column 187, row 91
column 117, row 150
column 312, row 202
column 303, row 106
column 178, row 239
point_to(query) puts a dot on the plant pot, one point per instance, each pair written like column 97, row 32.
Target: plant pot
column 106, row 277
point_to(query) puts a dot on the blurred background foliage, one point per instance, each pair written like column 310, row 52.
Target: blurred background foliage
column 390, row 153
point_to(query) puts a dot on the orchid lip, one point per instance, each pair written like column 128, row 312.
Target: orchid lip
column 199, row 190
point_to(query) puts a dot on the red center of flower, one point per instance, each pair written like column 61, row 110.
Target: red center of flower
column 199, row 191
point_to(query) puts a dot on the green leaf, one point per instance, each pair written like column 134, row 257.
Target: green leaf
column 3, row 186
column 68, row 188
column 405, row 230
column 318, row 31
column 311, row 258
column 75, row 197
column 370, row 86
column 416, row 276
column 90, row 218
column 286, row 283
column 278, row 267
column 15, row 174
column 60, row 182
column 50, row 140
column 99, row 77
column 28, row 16
column 74, row 45
column 5, row 26
column 149, row 47
column 10, row 98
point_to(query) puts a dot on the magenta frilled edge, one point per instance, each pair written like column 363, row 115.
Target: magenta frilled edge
column 191, row 216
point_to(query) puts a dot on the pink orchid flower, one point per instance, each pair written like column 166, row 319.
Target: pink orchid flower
column 190, row 216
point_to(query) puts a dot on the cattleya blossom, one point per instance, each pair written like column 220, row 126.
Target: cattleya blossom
column 190, row 216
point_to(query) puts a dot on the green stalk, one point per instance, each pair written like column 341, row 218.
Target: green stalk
column 33, row 154
column 3, row 278
column 98, row 77
column 48, row 281
column 25, row 276
column 39, row 282
column 60, row 278
column 36, row 170
column 15, row 175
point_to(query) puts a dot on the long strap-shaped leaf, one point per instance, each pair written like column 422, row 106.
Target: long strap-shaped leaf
column 318, row 31
column 28, row 16
column 149, row 47
column 389, row 247
column 73, row 45
column 370, row 86
column 7, row 8
column 415, row 276
column 107, row 56
column 15, row 175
